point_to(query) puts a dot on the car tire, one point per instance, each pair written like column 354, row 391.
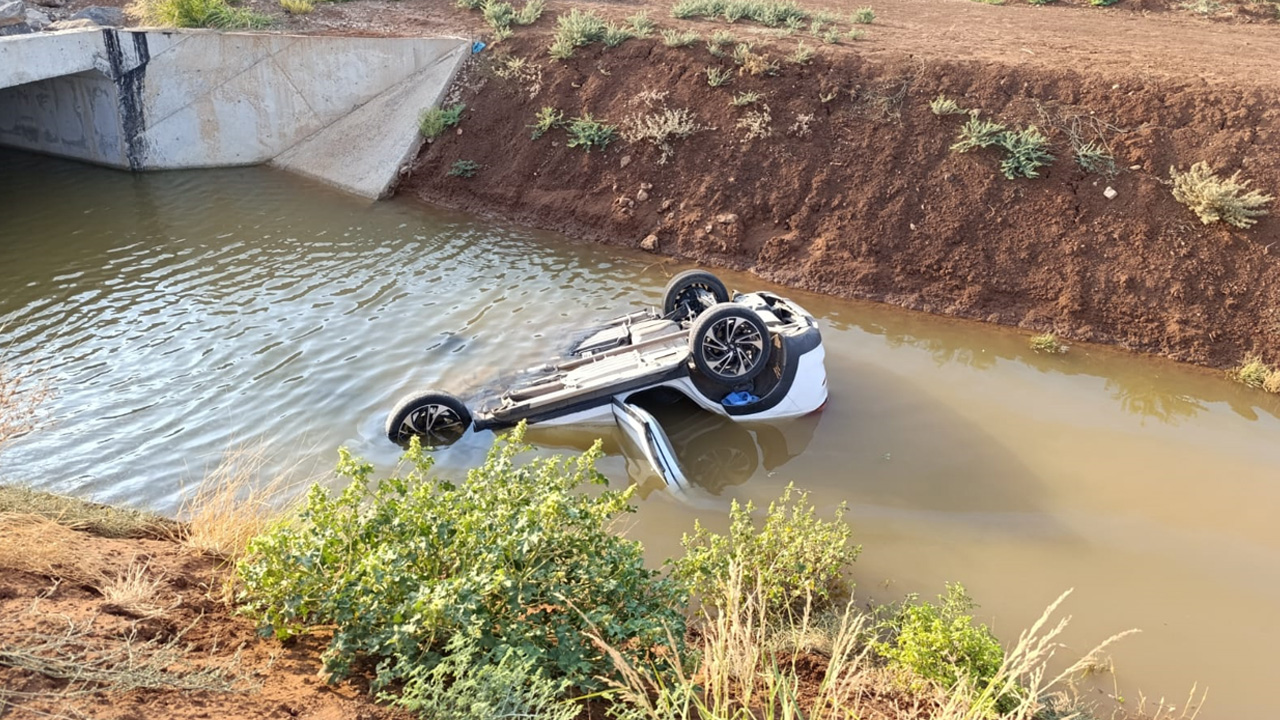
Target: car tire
column 730, row 344
column 438, row 418
column 683, row 299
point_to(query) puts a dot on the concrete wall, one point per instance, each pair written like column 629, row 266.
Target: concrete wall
column 339, row 109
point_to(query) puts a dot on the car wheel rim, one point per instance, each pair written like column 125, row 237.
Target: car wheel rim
column 732, row 346
column 436, row 424
column 693, row 300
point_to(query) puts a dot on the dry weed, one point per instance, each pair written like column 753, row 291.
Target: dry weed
column 232, row 504
column 1215, row 199
column 94, row 518
column 34, row 544
column 661, row 127
column 20, row 401
column 134, row 592
column 756, row 124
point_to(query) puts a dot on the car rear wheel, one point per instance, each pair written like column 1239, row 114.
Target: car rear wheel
column 691, row 292
column 730, row 344
column 438, row 418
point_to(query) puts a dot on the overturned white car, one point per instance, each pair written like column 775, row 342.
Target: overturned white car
column 752, row 356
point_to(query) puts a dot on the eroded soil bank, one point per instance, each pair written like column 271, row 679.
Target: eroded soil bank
column 854, row 190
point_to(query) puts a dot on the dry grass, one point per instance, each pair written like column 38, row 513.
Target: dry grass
column 233, row 503
column 90, row 517
column 134, row 592
column 34, row 544
column 661, row 127
column 1254, row 373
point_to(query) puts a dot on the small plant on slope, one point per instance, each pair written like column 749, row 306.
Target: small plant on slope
column 586, row 132
column 1047, row 343
column 943, row 105
column 661, row 128
column 547, row 118
column 1026, row 151
column 676, row 39
column 1095, row 157
column 717, row 77
column 576, row 29
column 216, row 14
column 463, row 169
column 1214, row 199
column 864, row 16
column 432, row 123
column 977, row 133
column 297, row 7
column 1256, row 374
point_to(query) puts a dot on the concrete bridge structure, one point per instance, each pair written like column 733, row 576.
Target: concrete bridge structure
column 342, row 110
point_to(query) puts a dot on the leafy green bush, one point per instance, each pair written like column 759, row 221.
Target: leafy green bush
column 675, row 38
column 864, row 16
column 1214, row 199
column 1094, row 157
column 574, row 30
column 514, row 563
column 1026, row 151
column 586, row 132
column 943, row 105
column 796, row 555
column 940, row 642
column 218, row 14
column 432, row 123
column 771, row 13
column 977, row 133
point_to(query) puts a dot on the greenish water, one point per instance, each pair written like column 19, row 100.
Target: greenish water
column 177, row 315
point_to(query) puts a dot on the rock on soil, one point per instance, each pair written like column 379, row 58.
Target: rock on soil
column 12, row 13
column 104, row 16
column 37, row 20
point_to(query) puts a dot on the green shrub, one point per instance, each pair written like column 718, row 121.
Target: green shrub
column 1214, row 199
column 1026, row 151
column 1094, row 157
column 463, row 169
column 1039, row 2
column 1047, row 343
column 864, row 16
column 1103, row 3
column 1256, row 374
column 498, row 15
column 574, row 30
column 943, row 105
column 217, row 14
column 977, row 133
column 803, row 54
column 547, row 118
column 940, row 643
column 642, row 26
column 797, row 556
column 675, row 38
column 744, row 99
column 770, row 13
column 432, row 123
column 514, row 560
column 716, row 77
column 615, row 35
column 530, row 13
column 297, row 7
column 586, row 132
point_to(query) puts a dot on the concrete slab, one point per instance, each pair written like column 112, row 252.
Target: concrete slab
column 40, row 56
column 362, row 153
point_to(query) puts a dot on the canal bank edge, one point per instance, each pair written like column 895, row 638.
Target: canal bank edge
column 340, row 110
column 851, row 187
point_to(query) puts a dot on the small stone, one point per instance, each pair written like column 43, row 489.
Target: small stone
column 459, row 131
column 37, row 20
column 1135, row 167
column 625, row 161
column 642, row 195
column 650, row 243
column 913, row 225
column 666, row 205
column 51, row 3
column 104, row 16
column 709, row 228
column 646, row 186
column 12, row 13
column 727, row 219
column 1110, row 193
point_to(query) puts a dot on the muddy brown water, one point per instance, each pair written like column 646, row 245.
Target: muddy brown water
column 179, row 314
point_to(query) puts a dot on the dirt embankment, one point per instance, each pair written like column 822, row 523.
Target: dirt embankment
column 854, row 190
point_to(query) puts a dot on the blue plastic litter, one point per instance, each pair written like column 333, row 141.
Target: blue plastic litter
column 476, row 47
column 742, row 397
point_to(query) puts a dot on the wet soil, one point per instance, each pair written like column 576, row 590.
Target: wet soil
column 854, row 190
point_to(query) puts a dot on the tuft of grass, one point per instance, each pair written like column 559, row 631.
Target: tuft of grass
column 90, row 517
column 744, row 99
column 770, row 13
column 1047, row 343
column 530, row 13
column 803, row 54
column 718, row 77
column 615, row 35
column 831, row 36
column 642, row 26
column 1254, row 373
column 433, row 122
column 463, row 168
column 855, row 34
column 133, row 592
column 676, row 39
column 232, row 503
column 1039, row 2
column 943, row 105
column 576, row 29
column 1103, row 3
column 864, row 16
column 1215, row 199
column 586, row 132
column 751, row 62
column 297, row 7
column 547, row 118
column 216, row 14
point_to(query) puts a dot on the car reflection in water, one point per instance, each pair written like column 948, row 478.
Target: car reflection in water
column 713, row 452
